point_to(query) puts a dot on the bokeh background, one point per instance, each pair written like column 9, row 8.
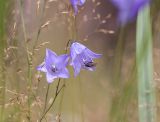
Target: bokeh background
column 108, row 94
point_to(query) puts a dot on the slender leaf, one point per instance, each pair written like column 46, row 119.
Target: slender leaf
column 146, row 93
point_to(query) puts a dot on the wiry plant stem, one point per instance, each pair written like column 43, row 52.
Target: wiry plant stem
column 118, row 57
column 74, row 36
column 29, row 61
column 54, row 99
column 40, row 27
column 2, row 79
column 46, row 98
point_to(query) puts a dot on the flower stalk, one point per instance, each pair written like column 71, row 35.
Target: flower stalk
column 46, row 98
column 29, row 61
column 146, row 88
column 54, row 99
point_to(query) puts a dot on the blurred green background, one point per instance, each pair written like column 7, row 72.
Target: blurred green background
column 108, row 94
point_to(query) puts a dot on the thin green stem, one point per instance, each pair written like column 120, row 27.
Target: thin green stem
column 54, row 99
column 38, row 105
column 118, row 58
column 29, row 80
column 146, row 88
column 2, row 63
column 61, row 99
column 46, row 98
column 40, row 26
column 74, row 36
column 121, row 101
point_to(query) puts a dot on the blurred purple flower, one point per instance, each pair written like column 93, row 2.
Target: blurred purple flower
column 128, row 9
column 54, row 66
column 82, row 57
column 76, row 3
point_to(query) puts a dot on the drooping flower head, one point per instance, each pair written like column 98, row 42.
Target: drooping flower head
column 76, row 3
column 54, row 66
column 128, row 9
column 82, row 57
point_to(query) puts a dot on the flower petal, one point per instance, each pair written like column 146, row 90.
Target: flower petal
column 122, row 4
column 75, row 4
column 50, row 58
column 54, row 66
column 89, row 68
column 73, row 53
column 77, row 47
column 51, row 55
column 64, row 73
column 50, row 78
column 92, row 54
column 42, row 67
column 139, row 4
column 77, row 66
column 81, row 2
column 128, row 9
column 124, row 17
column 75, row 9
column 62, row 61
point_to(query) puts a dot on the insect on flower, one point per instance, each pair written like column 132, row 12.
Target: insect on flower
column 128, row 9
column 82, row 57
column 90, row 64
column 54, row 66
column 76, row 3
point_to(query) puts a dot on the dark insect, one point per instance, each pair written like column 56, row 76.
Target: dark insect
column 90, row 64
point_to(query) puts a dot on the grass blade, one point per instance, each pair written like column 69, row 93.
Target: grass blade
column 146, row 93
column 2, row 63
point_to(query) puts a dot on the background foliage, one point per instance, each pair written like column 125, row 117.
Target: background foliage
column 109, row 94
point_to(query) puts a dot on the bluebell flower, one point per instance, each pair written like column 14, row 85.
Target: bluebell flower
column 54, row 66
column 82, row 57
column 76, row 3
column 128, row 9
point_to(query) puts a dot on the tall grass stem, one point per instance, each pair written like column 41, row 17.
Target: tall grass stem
column 144, row 60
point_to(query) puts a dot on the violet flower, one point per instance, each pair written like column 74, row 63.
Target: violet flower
column 76, row 3
column 82, row 57
column 54, row 66
column 128, row 9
